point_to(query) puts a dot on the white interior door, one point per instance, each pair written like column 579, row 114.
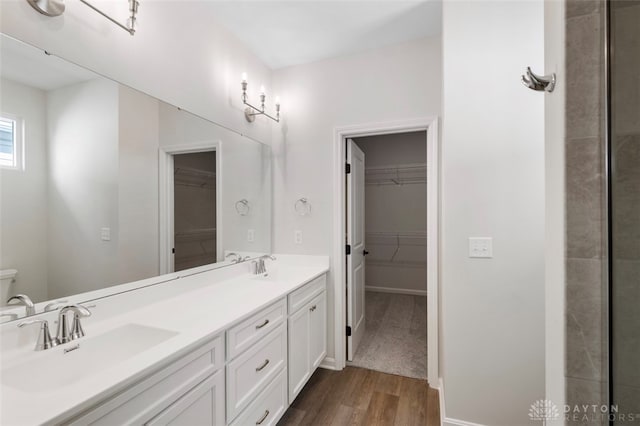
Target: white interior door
column 355, row 239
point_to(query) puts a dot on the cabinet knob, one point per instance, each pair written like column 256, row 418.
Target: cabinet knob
column 313, row 308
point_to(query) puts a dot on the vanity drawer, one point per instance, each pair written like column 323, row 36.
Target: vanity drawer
column 303, row 295
column 141, row 402
column 269, row 406
column 249, row 331
column 250, row 372
column 203, row 405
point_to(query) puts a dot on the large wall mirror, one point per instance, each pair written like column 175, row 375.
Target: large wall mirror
column 101, row 184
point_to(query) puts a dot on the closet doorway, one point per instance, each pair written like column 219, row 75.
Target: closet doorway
column 194, row 210
column 190, row 208
column 387, row 261
column 391, row 284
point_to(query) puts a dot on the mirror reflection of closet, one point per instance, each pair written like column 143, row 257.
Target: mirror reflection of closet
column 194, row 209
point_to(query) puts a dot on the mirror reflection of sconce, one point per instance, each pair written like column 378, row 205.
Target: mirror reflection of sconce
column 242, row 207
column 302, row 206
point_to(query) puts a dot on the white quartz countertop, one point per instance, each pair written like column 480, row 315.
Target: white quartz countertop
column 212, row 302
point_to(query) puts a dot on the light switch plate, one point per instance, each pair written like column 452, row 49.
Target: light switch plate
column 297, row 237
column 481, row 247
column 105, row 234
column 251, row 235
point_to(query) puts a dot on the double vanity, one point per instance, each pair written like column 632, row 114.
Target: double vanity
column 219, row 347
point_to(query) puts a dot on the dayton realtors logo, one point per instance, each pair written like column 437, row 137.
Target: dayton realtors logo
column 545, row 410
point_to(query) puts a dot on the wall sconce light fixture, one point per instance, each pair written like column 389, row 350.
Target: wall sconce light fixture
column 251, row 111
column 56, row 8
column 130, row 26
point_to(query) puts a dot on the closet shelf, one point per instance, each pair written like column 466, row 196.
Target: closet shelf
column 197, row 234
column 406, row 249
column 396, row 238
column 186, row 176
column 396, row 175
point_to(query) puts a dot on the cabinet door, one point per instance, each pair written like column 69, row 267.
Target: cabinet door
column 201, row 406
column 317, row 330
column 299, row 355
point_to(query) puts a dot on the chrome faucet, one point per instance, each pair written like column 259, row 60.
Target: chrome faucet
column 259, row 266
column 65, row 333
column 238, row 257
column 45, row 341
column 23, row 299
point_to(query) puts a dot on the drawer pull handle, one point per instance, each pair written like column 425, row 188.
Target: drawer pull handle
column 258, row 327
column 263, row 418
column 313, row 308
column 266, row 362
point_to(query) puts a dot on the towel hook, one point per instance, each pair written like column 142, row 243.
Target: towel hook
column 539, row 82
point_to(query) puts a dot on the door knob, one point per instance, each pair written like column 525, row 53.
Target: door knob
column 364, row 252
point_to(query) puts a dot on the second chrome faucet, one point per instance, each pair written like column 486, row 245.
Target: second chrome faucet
column 66, row 331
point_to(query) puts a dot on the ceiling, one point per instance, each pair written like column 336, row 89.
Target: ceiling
column 285, row 33
column 32, row 67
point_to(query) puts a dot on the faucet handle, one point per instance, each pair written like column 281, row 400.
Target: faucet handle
column 79, row 311
column 45, row 341
column 55, row 305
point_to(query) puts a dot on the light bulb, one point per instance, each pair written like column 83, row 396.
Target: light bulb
column 278, row 100
column 262, row 90
column 244, row 77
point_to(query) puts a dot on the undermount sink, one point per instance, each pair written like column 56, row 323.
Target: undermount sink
column 68, row 363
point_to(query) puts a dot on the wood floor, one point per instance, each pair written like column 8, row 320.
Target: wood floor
column 356, row 396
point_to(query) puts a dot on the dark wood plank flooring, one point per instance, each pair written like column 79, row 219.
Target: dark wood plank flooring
column 356, row 396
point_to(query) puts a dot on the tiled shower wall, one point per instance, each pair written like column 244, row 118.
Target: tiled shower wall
column 625, row 140
column 586, row 351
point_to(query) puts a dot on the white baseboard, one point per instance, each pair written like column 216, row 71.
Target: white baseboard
column 455, row 422
column 396, row 290
column 441, row 398
column 328, row 363
column 448, row 421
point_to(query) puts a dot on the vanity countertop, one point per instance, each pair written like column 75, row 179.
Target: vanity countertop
column 212, row 302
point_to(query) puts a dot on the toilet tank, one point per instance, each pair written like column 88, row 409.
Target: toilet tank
column 7, row 278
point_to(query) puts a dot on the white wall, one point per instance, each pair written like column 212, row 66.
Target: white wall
column 493, row 185
column 392, row 209
column 554, row 52
column 23, row 195
column 138, row 139
column 397, row 82
column 82, row 126
column 192, row 63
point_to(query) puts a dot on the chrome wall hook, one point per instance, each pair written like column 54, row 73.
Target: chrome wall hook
column 539, row 82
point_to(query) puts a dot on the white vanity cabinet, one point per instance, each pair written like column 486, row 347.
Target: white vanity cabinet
column 188, row 388
column 307, row 333
column 262, row 360
column 249, row 374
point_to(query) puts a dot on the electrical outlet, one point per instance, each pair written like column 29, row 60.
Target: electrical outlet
column 105, row 234
column 251, row 235
column 297, row 236
column 481, row 247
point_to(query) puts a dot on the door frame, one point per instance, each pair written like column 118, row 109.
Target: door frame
column 341, row 134
column 165, row 169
